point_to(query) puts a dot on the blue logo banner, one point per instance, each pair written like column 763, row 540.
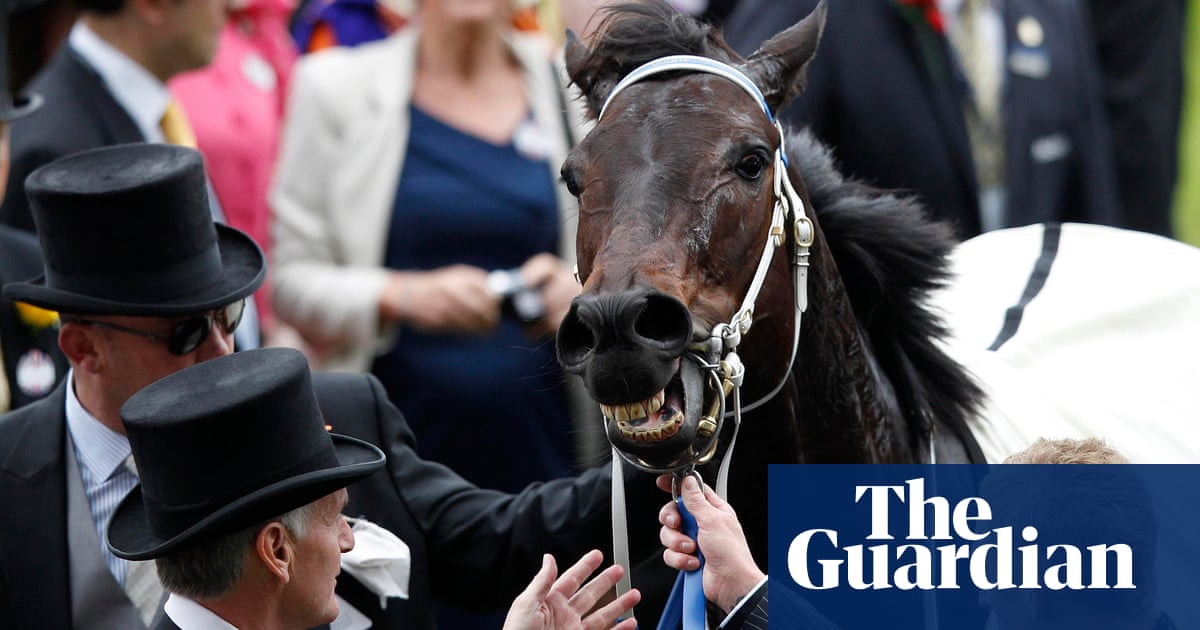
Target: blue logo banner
column 1005, row 547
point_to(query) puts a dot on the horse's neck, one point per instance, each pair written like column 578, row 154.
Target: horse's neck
column 847, row 410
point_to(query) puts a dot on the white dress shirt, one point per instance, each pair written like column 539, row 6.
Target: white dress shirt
column 189, row 615
column 101, row 454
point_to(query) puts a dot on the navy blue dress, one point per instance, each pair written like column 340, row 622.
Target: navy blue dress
column 492, row 408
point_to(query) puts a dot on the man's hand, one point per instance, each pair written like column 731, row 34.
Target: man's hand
column 729, row 570
column 550, row 604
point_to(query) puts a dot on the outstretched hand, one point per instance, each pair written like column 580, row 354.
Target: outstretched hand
column 729, row 570
column 564, row 603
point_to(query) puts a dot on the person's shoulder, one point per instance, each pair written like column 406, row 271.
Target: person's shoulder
column 67, row 121
column 21, row 251
column 354, row 404
column 340, row 66
column 344, row 384
column 337, row 391
column 34, row 418
column 61, row 81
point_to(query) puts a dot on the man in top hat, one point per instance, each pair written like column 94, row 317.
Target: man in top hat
column 30, row 362
column 256, row 542
column 107, row 86
column 147, row 285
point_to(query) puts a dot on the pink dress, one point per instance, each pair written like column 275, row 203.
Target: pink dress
column 235, row 106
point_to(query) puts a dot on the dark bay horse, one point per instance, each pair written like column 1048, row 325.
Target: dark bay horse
column 678, row 186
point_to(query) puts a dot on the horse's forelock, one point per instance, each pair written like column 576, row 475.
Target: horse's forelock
column 634, row 33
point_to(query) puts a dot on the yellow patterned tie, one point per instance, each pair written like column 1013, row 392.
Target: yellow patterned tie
column 175, row 126
column 985, row 124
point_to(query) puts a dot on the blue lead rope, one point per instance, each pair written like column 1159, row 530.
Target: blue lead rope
column 686, row 602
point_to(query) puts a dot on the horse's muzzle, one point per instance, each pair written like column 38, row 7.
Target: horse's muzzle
column 624, row 344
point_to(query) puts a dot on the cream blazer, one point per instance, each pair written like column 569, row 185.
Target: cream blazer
column 340, row 157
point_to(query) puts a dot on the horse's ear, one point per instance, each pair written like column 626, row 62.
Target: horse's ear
column 777, row 67
column 575, row 52
column 595, row 77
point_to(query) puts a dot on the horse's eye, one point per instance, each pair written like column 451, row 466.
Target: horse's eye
column 571, row 180
column 751, row 167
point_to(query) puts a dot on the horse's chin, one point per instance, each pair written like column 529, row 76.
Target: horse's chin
column 660, row 432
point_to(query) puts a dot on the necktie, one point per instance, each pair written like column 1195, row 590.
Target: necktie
column 985, row 125
column 175, row 126
column 141, row 578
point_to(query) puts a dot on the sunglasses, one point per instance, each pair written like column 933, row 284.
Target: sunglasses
column 188, row 334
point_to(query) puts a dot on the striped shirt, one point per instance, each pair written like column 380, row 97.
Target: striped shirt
column 791, row 610
column 101, row 453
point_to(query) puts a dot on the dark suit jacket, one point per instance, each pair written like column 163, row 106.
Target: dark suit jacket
column 164, row 623
column 20, row 259
column 1141, row 61
column 789, row 609
column 891, row 108
column 78, row 113
column 471, row 548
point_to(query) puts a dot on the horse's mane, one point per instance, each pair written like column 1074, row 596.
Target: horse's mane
column 634, row 33
column 890, row 256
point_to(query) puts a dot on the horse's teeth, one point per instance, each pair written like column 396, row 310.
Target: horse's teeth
column 622, row 413
column 607, row 412
column 655, row 403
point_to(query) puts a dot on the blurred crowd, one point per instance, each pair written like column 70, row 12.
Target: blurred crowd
column 397, row 163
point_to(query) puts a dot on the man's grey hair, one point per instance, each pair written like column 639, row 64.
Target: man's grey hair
column 212, row 568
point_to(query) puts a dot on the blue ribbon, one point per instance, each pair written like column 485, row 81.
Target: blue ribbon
column 686, row 602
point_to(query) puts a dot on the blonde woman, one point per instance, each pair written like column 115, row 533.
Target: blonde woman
column 410, row 169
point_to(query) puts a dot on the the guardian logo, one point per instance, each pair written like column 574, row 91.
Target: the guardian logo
column 986, row 557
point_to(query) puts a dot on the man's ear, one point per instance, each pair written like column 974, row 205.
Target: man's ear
column 273, row 549
column 82, row 346
column 153, row 12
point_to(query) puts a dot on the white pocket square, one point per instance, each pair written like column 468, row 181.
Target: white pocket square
column 380, row 561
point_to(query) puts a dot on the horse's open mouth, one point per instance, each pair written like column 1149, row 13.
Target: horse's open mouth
column 663, row 425
column 651, row 420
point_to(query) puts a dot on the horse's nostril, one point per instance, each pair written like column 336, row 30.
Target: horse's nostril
column 639, row 320
column 665, row 321
column 576, row 337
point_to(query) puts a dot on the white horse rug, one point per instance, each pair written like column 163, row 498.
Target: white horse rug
column 1080, row 331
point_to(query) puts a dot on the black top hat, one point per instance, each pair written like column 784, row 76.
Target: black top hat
column 11, row 108
column 227, row 444
column 127, row 230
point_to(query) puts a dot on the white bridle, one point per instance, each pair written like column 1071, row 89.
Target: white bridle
column 719, row 352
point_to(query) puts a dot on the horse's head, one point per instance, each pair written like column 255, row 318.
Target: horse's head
column 677, row 187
